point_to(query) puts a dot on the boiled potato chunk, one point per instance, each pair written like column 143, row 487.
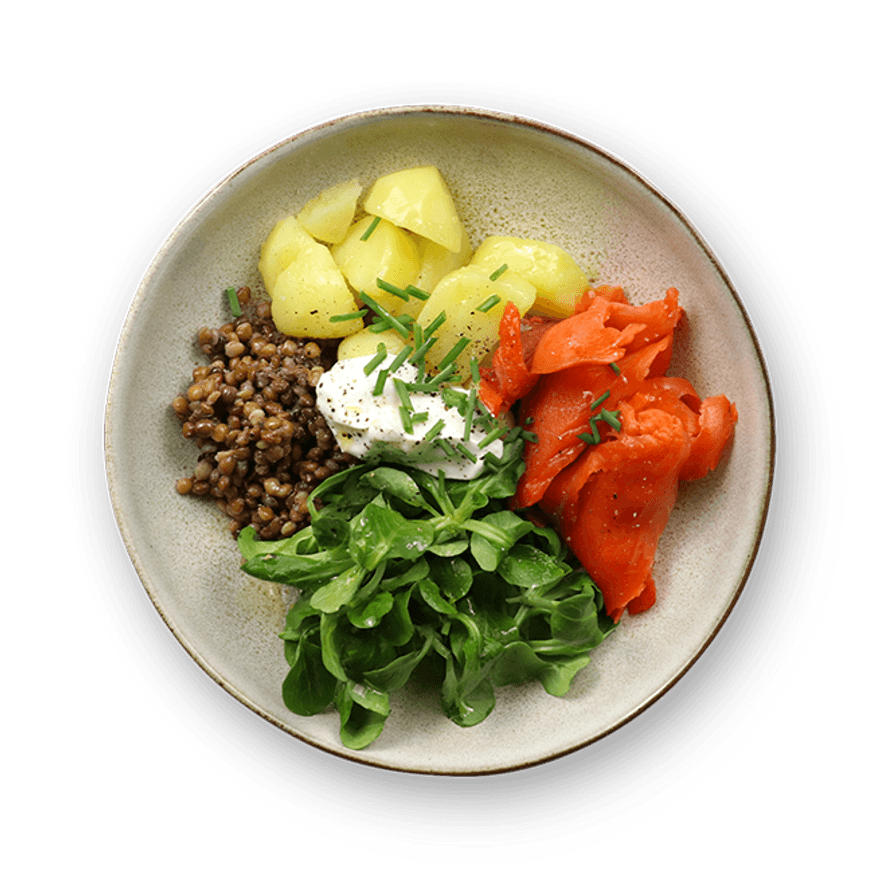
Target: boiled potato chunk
column 388, row 253
column 284, row 243
column 438, row 261
column 309, row 292
column 556, row 276
column 366, row 342
column 419, row 200
column 459, row 294
column 328, row 215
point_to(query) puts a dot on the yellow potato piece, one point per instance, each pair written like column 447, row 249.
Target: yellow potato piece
column 366, row 342
column 309, row 292
column 419, row 200
column 437, row 261
column 388, row 253
column 283, row 244
column 556, row 276
column 328, row 215
column 459, row 294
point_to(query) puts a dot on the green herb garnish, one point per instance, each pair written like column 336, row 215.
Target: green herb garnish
column 498, row 272
column 435, row 325
column 403, row 393
column 402, row 355
column 419, row 354
column 492, row 436
column 350, row 316
column 369, row 230
column 435, row 430
column 384, row 314
column 600, row 399
column 234, row 304
column 381, row 379
column 446, row 446
column 417, row 292
column 405, row 418
column 489, row 303
column 466, row 452
column 469, row 413
column 445, row 375
column 381, row 354
column 611, row 418
column 399, row 292
column 454, row 352
column 475, row 371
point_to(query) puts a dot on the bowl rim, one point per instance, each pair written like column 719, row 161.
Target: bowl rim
column 489, row 115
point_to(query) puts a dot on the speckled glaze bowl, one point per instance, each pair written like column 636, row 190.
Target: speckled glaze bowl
column 508, row 176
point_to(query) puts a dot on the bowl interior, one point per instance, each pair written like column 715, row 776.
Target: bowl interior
column 508, row 176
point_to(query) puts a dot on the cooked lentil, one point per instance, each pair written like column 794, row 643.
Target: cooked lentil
column 263, row 444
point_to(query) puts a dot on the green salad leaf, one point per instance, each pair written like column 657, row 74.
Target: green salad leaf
column 401, row 571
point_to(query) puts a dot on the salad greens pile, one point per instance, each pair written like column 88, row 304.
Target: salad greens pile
column 402, row 570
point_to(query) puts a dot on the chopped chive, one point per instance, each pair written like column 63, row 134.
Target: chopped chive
column 454, row 352
column 489, row 303
column 381, row 354
column 445, row 445
column 591, row 436
column 403, row 393
column 379, row 325
column 388, row 287
column 384, row 313
column 599, row 399
column 466, row 452
column 530, row 437
column 406, row 419
column 493, row 436
column 402, row 355
column 370, row 228
column 435, row 429
column 492, row 460
column 611, row 418
column 419, row 354
column 444, row 375
column 529, row 420
column 469, row 413
column 454, row 399
column 475, row 371
column 498, row 272
column 435, row 324
column 419, row 417
column 418, row 335
column 349, row 316
column 380, row 383
column 484, row 412
column 234, row 304
column 614, row 367
column 417, row 292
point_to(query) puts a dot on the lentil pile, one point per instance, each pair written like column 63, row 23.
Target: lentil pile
column 263, row 443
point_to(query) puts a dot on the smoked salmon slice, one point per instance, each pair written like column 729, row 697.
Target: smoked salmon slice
column 613, row 434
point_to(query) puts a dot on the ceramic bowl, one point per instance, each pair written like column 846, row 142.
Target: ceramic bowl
column 511, row 176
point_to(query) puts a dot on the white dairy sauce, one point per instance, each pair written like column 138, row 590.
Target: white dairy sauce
column 369, row 426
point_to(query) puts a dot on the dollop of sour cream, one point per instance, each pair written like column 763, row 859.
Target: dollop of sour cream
column 370, row 426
